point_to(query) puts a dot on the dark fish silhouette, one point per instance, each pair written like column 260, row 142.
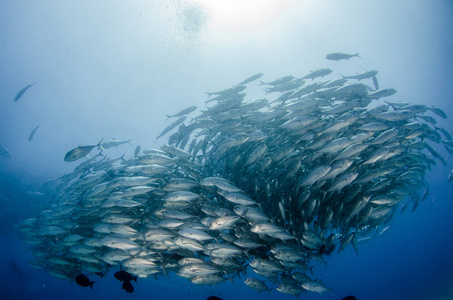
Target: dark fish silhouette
column 22, row 91
column 32, row 133
column 15, row 268
column 127, row 286
column 214, row 298
column 125, row 276
column 82, row 280
column 349, row 298
column 100, row 274
column 79, row 152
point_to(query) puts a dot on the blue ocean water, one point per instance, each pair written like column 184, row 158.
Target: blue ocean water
column 114, row 69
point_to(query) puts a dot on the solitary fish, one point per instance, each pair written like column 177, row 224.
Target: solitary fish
column 79, row 152
column 4, row 152
column 84, row 281
column 340, row 56
column 22, row 91
column 32, row 133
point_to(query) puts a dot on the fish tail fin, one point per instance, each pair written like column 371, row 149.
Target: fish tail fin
column 229, row 277
column 165, row 271
column 129, row 142
column 261, row 83
column 391, row 105
column 214, row 143
column 243, row 214
column 91, row 284
column 343, row 77
column 99, row 145
column 357, row 54
column 134, row 278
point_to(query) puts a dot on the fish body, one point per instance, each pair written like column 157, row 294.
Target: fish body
column 279, row 81
column 84, row 281
column 317, row 73
column 339, row 56
column 22, row 91
column 251, row 78
column 79, row 152
column 183, row 112
column 172, row 126
column 316, row 286
column 127, row 286
column 364, row 75
column 114, row 143
column 256, row 284
column 314, row 175
column 32, row 133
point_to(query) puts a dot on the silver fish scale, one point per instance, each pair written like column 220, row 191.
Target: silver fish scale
column 278, row 182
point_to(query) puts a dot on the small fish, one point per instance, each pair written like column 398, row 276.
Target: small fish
column 32, row 133
column 127, row 286
column 22, row 91
column 79, row 152
column 214, row 298
column 125, row 276
column 364, row 75
column 4, row 152
column 349, row 298
column 172, row 125
column 340, row 56
column 317, row 73
column 252, row 78
column 114, row 143
column 183, row 112
column 84, row 281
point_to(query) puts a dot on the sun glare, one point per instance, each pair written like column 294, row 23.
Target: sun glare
column 241, row 15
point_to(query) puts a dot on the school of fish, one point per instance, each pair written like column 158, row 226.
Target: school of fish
column 268, row 185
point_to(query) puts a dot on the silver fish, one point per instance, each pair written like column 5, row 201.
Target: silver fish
column 80, row 152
